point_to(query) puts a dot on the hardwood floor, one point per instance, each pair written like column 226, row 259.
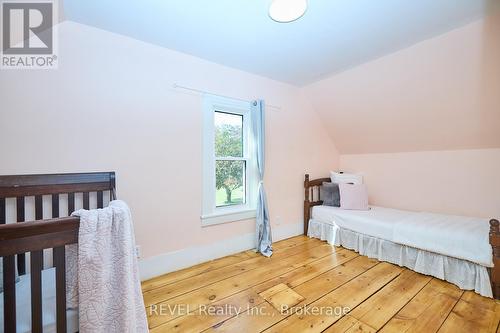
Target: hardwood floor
column 310, row 286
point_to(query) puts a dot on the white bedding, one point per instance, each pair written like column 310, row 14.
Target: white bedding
column 455, row 236
column 376, row 222
column 23, row 305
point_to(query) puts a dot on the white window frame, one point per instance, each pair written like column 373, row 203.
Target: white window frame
column 211, row 214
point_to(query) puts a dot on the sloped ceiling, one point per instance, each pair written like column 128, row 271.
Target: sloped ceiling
column 333, row 36
column 385, row 75
column 440, row 94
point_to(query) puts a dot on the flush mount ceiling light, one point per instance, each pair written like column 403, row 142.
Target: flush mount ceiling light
column 285, row 11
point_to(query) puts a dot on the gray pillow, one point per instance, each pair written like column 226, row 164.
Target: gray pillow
column 330, row 194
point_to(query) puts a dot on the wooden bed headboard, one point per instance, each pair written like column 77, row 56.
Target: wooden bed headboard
column 35, row 236
column 312, row 198
column 311, row 192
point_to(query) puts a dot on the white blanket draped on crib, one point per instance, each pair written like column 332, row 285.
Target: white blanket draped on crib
column 103, row 276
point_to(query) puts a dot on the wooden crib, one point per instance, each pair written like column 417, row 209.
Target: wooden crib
column 34, row 237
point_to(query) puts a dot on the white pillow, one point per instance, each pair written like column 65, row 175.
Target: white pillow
column 345, row 178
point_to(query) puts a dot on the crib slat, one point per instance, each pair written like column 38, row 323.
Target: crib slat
column 39, row 212
column 36, row 260
column 60, row 264
column 100, row 199
column 38, row 207
column 2, row 211
column 21, row 259
column 55, row 205
column 71, row 203
column 86, row 200
column 55, row 212
column 9, row 294
column 20, row 209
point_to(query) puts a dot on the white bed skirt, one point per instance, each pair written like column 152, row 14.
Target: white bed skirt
column 465, row 274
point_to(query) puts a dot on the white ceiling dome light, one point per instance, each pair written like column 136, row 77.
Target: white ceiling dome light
column 285, row 11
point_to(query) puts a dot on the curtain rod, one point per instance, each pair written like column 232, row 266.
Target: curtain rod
column 178, row 86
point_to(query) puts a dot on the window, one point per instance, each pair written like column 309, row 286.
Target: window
column 229, row 176
column 230, row 159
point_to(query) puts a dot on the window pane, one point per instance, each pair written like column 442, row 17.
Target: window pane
column 230, row 183
column 228, row 135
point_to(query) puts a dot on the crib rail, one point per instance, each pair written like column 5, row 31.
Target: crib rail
column 38, row 235
column 33, row 185
column 34, row 237
column 21, row 187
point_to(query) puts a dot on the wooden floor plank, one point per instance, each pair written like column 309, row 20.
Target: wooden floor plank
column 212, row 314
column 333, row 305
column 256, row 319
column 172, row 290
column 225, row 288
column 234, row 294
column 291, row 242
column 251, row 253
column 427, row 311
column 472, row 313
column 193, row 271
column 384, row 304
column 310, row 290
column 348, row 324
column 285, row 298
column 336, row 259
column 218, row 263
column 325, row 283
column 309, row 271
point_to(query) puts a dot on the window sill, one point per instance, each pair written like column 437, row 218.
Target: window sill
column 226, row 217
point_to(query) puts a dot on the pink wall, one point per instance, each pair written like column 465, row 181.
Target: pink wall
column 422, row 124
column 440, row 94
column 463, row 182
column 111, row 106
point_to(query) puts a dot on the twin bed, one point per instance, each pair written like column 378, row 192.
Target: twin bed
column 462, row 250
column 34, row 285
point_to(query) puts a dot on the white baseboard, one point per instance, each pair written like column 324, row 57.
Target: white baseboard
column 173, row 261
column 287, row 230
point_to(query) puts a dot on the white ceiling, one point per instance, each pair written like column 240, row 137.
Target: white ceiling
column 333, row 36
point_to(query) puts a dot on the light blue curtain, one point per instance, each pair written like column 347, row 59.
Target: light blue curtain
column 263, row 225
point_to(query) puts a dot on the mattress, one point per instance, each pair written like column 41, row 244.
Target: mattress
column 454, row 236
column 23, row 305
column 377, row 222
